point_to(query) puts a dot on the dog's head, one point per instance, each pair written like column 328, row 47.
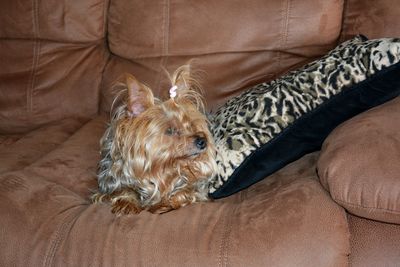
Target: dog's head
column 159, row 148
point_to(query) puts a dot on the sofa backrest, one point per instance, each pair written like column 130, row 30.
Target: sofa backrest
column 59, row 58
column 235, row 43
column 372, row 18
column 52, row 54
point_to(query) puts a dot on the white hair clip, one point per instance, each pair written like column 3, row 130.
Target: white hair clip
column 172, row 91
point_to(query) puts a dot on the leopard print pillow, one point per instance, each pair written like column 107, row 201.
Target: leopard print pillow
column 273, row 124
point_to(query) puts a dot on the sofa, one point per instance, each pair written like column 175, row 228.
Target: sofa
column 338, row 206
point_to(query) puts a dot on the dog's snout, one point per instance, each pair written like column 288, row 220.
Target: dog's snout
column 200, row 142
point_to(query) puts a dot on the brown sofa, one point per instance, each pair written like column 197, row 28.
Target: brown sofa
column 58, row 60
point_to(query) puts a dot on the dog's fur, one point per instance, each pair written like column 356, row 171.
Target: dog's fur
column 156, row 155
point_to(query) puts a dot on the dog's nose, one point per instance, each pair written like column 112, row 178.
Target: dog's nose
column 200, row 142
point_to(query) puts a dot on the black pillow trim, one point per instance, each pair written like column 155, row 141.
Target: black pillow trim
column 307, row 133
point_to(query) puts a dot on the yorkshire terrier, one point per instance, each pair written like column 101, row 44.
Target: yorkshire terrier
column 156, row 155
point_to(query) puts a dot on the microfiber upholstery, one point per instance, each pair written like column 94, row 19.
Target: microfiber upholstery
column 344, row 167
column 51, row 221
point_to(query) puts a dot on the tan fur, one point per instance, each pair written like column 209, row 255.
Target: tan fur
column 152, row 154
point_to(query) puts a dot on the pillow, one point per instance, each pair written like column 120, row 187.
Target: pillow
column 273, row 124
column 359, row 163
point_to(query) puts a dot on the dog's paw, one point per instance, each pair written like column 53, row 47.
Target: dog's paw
column 160, row 209
column 124, row 207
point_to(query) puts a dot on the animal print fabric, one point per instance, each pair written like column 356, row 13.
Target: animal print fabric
column 257, row 116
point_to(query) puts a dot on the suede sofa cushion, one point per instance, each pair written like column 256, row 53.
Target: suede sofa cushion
column 52, row 55
column 47, row 218
column 374, row 18
column 20, row 150
column 373, row 243
column 360, row 163
column 237, row 45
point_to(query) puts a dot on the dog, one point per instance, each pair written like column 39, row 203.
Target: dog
column 156, row 155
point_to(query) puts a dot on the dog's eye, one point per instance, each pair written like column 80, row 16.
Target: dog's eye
column 170, row 131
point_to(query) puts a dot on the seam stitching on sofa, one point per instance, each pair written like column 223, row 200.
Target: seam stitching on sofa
column 284, row 31
column 54, row 41
column 166, row 28
column 287, row 22
column 165, row 41
column 224, row 245
column 35, row 57
column 107, row 60
column 60, row 235
column 222, row 258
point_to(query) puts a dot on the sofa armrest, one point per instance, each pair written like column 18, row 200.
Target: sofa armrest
column 359, row 164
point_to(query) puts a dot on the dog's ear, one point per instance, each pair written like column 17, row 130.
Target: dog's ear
column 140, row 96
